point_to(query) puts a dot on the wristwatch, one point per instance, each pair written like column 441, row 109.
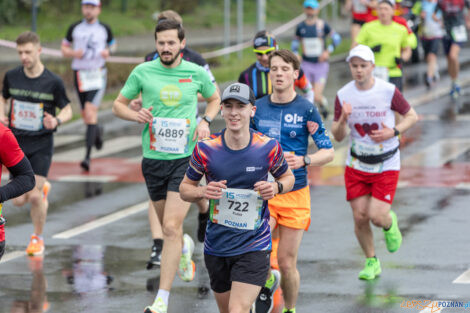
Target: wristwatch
column 307, row 160
column 280, row 187
column 207, row 119
column 59, row 122
column 396, row 132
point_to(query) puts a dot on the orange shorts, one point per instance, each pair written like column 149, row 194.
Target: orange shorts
column 292, row 209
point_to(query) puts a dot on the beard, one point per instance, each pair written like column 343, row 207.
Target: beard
column 171, row 61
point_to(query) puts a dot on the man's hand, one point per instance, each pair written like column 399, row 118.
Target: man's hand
column 136, row 104
column 202, row 130
column 145, row 115
column 78, row 54
column 346, row 111
column 105, row 53
column 49, row 121
column 266, row 189
column 324, row 56
column 213, row 190
column 294, row 161
column 383, row 134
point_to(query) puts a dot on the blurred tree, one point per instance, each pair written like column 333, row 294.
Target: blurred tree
column 8, row 11
column 180, row 6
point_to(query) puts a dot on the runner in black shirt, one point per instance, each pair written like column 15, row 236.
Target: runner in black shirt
column 35, row 94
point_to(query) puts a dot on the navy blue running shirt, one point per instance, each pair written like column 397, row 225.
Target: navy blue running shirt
column 242, row 169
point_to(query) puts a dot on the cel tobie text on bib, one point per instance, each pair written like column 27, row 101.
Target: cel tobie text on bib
column 365, row 149
column 90, row 80
column 313, row 47
column 381, row 72
column 238, row 208
column 170, row 135
column 459, row 33
column 27, row 115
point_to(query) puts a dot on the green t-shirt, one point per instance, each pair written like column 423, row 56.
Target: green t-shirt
column 172, row 92
column 392, row 37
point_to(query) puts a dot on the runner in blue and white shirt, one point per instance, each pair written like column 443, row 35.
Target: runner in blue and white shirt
column 89, row 43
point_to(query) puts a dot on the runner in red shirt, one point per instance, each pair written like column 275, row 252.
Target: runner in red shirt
column 22, row 174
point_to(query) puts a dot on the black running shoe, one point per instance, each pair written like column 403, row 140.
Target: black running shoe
column 264, row 302
column 202, row 225
column 99, row 138
column 155, row 257
column 85, row 165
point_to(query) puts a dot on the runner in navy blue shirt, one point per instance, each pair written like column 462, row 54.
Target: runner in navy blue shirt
column 236, row 163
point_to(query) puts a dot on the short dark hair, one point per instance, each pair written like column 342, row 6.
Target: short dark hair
column 288, row 57
column 167, row 24
column 27, row 37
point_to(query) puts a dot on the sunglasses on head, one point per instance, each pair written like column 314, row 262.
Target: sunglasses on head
column 263, row 52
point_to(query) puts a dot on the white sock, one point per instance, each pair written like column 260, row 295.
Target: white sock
column 185, row 247
column 164, row 294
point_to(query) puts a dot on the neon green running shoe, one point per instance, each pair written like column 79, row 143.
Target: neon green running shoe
column 393, row 235
column 158, row 306
column 187, row 268
column 371, row 269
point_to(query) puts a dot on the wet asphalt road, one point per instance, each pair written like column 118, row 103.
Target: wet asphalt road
column 103, row 269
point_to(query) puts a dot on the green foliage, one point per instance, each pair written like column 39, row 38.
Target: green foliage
column 8, row 11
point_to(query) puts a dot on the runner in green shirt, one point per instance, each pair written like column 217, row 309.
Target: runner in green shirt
column 169, row 88
column 389, row 41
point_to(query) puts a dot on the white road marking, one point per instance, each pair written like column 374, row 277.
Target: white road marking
column 439, row 153
column 62, row 140
column 113, row 217
column 105, row 220
column 463, row 279
column 12, row 255
column 112, row 146
column 87, row 178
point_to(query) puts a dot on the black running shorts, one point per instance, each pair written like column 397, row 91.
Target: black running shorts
column 92, row 96
column 38, row 150
column 249, row 268
column 162, row 176
column 2, row 248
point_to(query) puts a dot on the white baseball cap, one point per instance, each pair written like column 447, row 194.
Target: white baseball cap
column 391, row 2
column 92, row 2
column 363, row 52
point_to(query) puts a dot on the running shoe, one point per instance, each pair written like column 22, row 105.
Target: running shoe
column 288, row 310
column 158, row 306
column 85, row 165
column 36, row 246
column 371, row 269
column 155, row 257
column 187, row 268
column 202, row 225
column 455, row 91
column 264, row 302
column 45, row 190
column 393, row 235
column 99, row 138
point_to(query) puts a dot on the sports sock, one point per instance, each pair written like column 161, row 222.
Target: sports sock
column 90, row 138
column 164, row 295
column 185, row 247
column 158, row 242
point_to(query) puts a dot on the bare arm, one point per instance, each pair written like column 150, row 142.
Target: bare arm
column 268, row 190
column 409, row 119
column 121, row 109
column 68, row 52
column 191, row 191
column 3, row 117
column 65, row 114
column 212, row 109
column 406, row 53
column 339, row 127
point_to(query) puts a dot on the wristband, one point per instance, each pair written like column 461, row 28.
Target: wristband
column 280, row 187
